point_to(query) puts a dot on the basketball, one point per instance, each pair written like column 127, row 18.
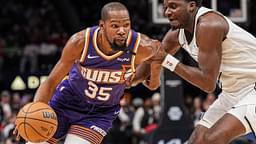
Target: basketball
column 36, row 122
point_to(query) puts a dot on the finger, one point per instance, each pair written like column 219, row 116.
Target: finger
column 14, row 132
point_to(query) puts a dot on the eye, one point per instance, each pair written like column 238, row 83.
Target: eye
column 114, row 26
column 172, row 6
column 126, row 25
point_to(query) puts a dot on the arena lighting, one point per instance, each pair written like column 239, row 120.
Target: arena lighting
column 30, row 82
column 18, row 84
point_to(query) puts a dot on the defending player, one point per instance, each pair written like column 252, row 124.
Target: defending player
column 100, row 61
column 223, row 50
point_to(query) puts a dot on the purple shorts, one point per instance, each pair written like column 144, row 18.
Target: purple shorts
column 73, row 110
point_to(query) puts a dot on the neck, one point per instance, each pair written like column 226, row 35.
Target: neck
column 191, row 23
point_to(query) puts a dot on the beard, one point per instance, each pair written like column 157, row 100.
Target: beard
column 117, row 47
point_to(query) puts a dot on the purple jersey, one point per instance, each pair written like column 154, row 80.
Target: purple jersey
column 99, row 78
column 90, row 97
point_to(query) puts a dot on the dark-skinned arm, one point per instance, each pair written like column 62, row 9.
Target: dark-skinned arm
column 210, row 33
column 71, row 52
column 148, row 60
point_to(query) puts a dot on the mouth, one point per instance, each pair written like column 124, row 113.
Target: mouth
column 171, row 19
column 173, row 22
column 121, row 39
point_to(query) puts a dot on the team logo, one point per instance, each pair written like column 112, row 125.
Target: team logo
column 99, row 130
column 123, row 59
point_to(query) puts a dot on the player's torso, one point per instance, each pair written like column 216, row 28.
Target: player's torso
column 98, row 78
column 238, row 53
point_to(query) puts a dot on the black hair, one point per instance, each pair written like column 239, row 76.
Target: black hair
column 110, row 7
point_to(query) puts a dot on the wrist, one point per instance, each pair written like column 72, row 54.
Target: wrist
column 170, row 62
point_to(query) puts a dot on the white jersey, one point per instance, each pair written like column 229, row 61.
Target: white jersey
column 238, row 63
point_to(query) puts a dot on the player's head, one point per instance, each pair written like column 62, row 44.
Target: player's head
column 181, row 12
column 115, row 24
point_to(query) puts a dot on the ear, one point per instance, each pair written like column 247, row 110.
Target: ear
column 101, row 23
column 192, row 6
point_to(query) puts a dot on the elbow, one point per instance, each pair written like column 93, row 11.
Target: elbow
column 154, row 87
column 209, row 88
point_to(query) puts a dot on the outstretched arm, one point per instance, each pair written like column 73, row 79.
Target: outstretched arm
column 71, row 52
column 210, row 33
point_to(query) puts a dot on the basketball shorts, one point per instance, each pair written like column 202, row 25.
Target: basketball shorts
column 241, row 104
column 86, row 120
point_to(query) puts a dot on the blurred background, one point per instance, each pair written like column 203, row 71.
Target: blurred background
column 33, row 34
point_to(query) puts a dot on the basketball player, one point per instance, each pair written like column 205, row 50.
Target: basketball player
column 100, row 61
column 224, row 52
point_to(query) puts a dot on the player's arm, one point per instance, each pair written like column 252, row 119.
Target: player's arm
column 148, row 60
column 151, row 67
column 210, row 33
column 70, row 53
column 170, row 42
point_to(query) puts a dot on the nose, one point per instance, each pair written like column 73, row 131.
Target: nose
column 167, row 12
column 121, row 31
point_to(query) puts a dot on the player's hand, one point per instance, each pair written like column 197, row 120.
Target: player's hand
column 16, row 133
column 130, row 83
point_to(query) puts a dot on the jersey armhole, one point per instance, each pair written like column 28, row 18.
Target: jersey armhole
column 135, row 48
column 86, row 44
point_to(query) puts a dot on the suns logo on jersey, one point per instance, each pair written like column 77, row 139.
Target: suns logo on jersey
column 107, row 76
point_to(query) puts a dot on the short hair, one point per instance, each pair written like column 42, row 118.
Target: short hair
column 198, row 2
column 112, row 6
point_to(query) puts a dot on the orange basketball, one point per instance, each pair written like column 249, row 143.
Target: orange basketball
column 36, row 122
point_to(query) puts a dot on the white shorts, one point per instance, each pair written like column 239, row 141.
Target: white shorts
column 240, row 104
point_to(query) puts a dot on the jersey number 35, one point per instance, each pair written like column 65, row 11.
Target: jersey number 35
column 100, row 93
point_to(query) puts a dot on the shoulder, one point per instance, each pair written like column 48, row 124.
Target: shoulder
column 75, row 45
column 147, row 48
column 77, row 38
column 171, row 37
column 170, row 42
column 214, row 22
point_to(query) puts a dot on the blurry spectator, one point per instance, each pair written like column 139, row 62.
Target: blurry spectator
column 9, row 126
column 30, row 55
column 48, row 49
column 1, row 123
column 156, row 97
column 47, row 55
column 16, row 102
column 137, row 102
column 5, row 104
column 126, row 112
column 121, row 132
column 143, row 117
column 188, row 101
column 1, row 115
column 197, row 109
